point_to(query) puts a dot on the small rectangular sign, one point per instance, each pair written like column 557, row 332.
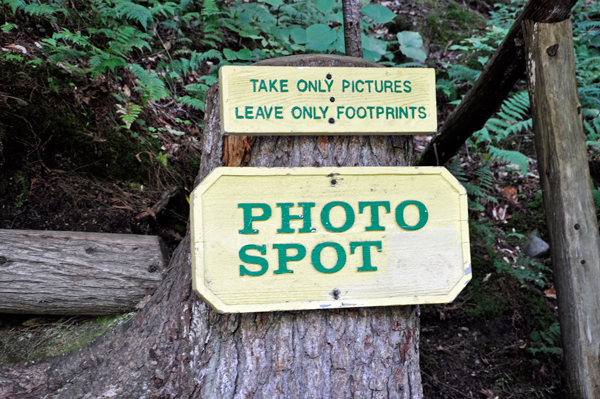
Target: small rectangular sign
column 261, row 100
column 266, row 239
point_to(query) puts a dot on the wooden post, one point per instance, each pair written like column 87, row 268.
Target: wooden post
column 568, row 201
column 72, row 273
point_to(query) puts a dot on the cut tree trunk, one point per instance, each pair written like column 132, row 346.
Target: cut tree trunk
column 502, row 71
column 568, row 202
column 178, row 347
column 72, row 273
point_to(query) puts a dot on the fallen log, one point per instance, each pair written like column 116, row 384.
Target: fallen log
column 74, row 273
column 504, row 69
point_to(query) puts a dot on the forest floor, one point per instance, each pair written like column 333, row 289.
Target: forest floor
column 498, row 339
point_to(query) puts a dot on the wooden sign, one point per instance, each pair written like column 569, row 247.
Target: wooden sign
column 260, row 100
column 308, row 238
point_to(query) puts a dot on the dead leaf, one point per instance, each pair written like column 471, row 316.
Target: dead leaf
column 510, row 194
column 550, row 293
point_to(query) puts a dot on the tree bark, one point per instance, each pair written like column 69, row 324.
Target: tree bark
column 502, row 71
column 73, row 273
column 178, row 347
column 568, row 201
column 352, row 29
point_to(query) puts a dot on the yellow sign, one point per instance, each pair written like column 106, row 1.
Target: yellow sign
column 309, row 238
column 260, row 100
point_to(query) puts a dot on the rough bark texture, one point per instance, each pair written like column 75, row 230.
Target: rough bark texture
column 352, row 29
column 72, row 273
column 568, row 201
column 502, row 71
column 178, row 347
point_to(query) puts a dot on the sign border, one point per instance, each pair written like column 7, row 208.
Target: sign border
column 197, row 250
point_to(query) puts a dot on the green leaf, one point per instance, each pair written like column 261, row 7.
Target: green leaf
column 325, row 6
column 229, row 54
column 410, row 45
column 298, row 35
column 319, row 37
column 379, row 13
column 244, row 54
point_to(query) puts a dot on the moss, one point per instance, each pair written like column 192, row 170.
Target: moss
column 452, row 23
column 41, row 337
column 439, row 22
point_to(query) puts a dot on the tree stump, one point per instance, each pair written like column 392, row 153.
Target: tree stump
column 178, row 347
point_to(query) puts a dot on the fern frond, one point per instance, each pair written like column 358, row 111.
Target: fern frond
column 128, row 113
column 511, row 157
column 149, row 82
column 134, row 12
column 192, row 102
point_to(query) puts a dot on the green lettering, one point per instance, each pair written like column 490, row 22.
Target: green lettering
column 345, row 85
column 369, row 83
column 262, row 86
column 362, row 83
column 325, row 217
column 329, row 83
column 268, row 112
column 371, row 111
column 294, row 112
column 312, row 86
column 403, row 111
column 389, row 111
column 388, row 85
column 397, row 86
column 407, row 88
column 283, row 86
column 237, row 115
column 284, row 258
column 286, row 217
column 324, row 111
column 316, row 257
column 413, row 111
column 422, row 113
column 307, row 111
column 340, row 111
column 374, row 205
column 260, row 112
column 249, row 218
column 249, row 111
column 256, row 260
column 272, row 86
column 254, row 84
column 366, row 253
column 379, row 111
column 423, row 215
column 301, row 81
column 279, row 112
